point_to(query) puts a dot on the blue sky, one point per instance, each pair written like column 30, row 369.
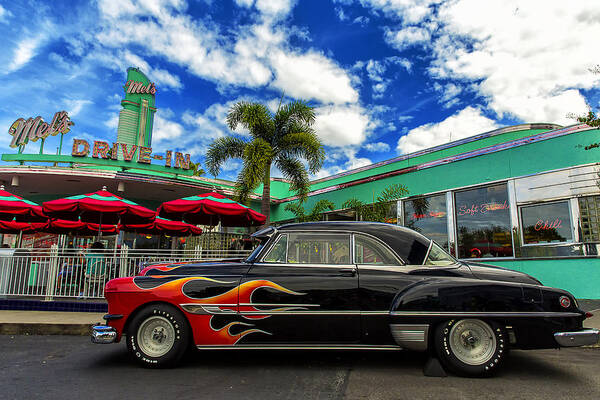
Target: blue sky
column 386, row 77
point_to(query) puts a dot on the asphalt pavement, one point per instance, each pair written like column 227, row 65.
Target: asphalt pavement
column 63, row 367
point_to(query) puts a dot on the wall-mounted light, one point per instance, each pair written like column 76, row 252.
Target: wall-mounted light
column 121, row 187
column 14, row 181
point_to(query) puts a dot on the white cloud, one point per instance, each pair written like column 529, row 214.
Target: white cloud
column 113, row 121
column 377, row 147
column 339, row 126
column 311, row 75
column 361, row 20
column 407, row 37
column 533, row 73
column 468, row 122
column 73, row 107
column 165, row 129
column 4, row 14
column 24, row 52
column 409, row 11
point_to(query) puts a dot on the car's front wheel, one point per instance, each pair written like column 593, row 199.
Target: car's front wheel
column 470, row 347
column 158, row 336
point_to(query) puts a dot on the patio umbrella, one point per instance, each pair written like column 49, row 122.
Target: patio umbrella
column 163, row 226
column 210, row 209
column 61, row 226
column 24, row 227
column 13, row 206
column 101, row 207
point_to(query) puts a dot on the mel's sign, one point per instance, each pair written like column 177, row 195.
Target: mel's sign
column 139, row 88
column 101, row 149
column 33, row 129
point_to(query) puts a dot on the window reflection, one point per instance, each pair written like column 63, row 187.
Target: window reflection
column 483, row 222
column 427, row 215
column 546, row 223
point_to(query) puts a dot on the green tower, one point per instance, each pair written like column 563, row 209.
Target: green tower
column 137, row 116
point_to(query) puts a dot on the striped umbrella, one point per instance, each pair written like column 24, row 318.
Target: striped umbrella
column 163, row 226
column 62, row 226
column 18, row 227
column 101, row 207
column 13, row 206
column 210, row 209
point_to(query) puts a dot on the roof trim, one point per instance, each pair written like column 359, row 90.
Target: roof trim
column 496, row 132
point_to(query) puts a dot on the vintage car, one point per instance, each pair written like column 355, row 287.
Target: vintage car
column 341, row 285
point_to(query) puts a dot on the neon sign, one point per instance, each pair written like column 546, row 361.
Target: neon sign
column 482, row 208
column 135, row 87
column 547, row 225
column 431, row 214
column 102, row 149
column 33, row 129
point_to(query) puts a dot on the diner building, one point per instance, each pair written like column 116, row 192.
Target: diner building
column 524, row 197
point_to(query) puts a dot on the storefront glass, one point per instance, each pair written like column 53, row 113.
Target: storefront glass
column 546, row 223
column 428, row 215
column 589, row 210
column 483, row 222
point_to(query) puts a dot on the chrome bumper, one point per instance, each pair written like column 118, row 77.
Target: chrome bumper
column 580, row 338
column 103, row 334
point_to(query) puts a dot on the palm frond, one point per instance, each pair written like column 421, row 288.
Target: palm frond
column 296, row 209
column 392, row 192
column 305, row 144
column 294, row 171
column 221, row 150
column 294, row 112
column 255, row 117
column 318, row 209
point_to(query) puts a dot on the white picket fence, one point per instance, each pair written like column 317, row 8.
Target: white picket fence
column 51, row 274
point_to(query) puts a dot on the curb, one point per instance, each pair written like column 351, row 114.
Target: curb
column 45, row 329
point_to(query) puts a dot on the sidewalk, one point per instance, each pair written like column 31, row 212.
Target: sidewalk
column 78, row 323
column 47, row 322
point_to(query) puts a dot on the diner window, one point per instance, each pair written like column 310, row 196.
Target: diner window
column 483, row 222
column 319, row 248
column 369, row 251
column 277, row 252
column 546, row 223
column 589, row 211
column 427, row 215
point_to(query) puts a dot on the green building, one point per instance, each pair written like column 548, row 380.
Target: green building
column 524, row 197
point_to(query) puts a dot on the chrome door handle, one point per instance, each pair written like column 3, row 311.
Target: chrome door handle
column 347, row 272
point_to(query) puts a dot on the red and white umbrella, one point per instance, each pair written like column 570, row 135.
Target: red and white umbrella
column 210, row 209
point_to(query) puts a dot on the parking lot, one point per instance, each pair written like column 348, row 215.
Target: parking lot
column 59, row 367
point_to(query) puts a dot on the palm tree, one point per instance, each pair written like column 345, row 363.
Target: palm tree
column 282, row 139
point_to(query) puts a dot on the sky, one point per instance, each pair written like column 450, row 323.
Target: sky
column 386, row 77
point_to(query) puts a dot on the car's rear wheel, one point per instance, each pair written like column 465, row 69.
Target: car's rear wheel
column 471, row 347
column 158, row 336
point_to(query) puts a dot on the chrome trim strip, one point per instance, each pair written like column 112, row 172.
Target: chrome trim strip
column 483, row 314
column 297, row 312
column 195, row 308
column 584, row 337
column 299, row 347
column 278, row 305
column 428, row 251
column 413, row 337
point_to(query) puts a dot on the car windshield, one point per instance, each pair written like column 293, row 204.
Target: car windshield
column 437, row 256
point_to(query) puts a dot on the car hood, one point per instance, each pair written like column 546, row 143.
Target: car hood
column 495, row 273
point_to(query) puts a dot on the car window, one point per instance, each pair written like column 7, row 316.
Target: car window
column 319, row 248
column 277, row 252
column 369, row 251
column 437, row 256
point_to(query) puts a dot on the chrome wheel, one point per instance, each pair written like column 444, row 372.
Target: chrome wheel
column 472, row 341
column 156, row 336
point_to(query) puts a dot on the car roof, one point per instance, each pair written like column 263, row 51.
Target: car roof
column 411, row 246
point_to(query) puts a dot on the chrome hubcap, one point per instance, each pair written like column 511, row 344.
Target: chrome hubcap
column 472, row 341
column 156, row 336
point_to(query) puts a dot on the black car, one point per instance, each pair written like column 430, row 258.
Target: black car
column 341, row 285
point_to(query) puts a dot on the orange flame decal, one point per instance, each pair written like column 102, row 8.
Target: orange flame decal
column 204, row 333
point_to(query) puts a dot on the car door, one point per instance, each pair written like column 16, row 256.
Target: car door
column 382, row 275
column 303, row 291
